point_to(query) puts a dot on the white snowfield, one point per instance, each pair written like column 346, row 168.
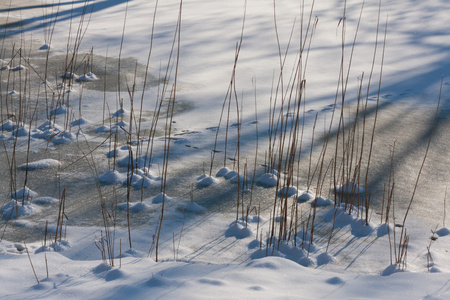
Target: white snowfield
column 92, row 208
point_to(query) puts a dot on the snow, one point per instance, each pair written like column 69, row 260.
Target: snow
column 218, row 239
column 40, row 164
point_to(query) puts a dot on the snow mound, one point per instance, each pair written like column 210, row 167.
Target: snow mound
column 120, row 113
column 87, row 77
column 324, row 258
column 160, row 198
column 18, row 68
column 305, row 196
column 230, row 174
column 79, row 122
column 61, row 110
column 24, row 193
column 193, row 207
column 222, row 172
column 40, row 164
column 287, row 192
column 134, row 207
column 70, row 75
column 361, row 229
column 267, row 180
column 321, row 202
column 205, row 181
column 239, row 230
column 16, row 209
column 112, row 177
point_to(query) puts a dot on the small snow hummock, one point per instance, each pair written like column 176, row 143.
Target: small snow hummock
column 222, row 172
column 45, row 200
column 112, row 177
column 205, row 181
column 320, row 202
column 230, row 174
column 192, row 207
column 305, row 196
column 18, row 68
column 15, row 209
column 79, row 122
column 87, row 77
column 70, row 75
column 159, row 198
column 24, row 193
column 120, row 112
column 135, row 207
column 267, row 180
column 239, row 230
column 287, row 192
column 40, row 164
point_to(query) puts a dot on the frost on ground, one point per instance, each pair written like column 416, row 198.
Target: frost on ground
column 127, row 181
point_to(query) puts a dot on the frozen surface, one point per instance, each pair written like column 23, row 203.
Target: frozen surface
column 110, row 194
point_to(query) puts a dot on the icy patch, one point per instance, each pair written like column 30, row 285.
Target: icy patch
column 16, row 209
column 40, row 164
column 350, row 188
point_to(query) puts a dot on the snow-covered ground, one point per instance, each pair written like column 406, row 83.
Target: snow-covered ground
column 88, row 215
